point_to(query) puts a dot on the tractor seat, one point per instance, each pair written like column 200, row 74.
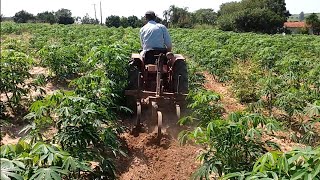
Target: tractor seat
column 151, row 55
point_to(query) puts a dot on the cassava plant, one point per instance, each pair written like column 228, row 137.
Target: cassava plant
column 300, row 163
column 231, row 145
column 38, row 161
column 15, row 68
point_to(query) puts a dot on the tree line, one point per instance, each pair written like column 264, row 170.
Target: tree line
column 261, row 16
column 62, row 16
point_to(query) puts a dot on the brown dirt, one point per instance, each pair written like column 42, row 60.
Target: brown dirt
column 147, row 159
column 50, row 87
column 230, row 104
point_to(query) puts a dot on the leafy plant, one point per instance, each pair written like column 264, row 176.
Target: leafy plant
column 270, row 87
column 245, row 75
column 231, row 145
column 14, row 73
column 301, row 163
column 38, row 161
column 205, row 107
column 63, row 61
column 51, row 173
column 10, row 169
column 85, row 119
column 313, row 110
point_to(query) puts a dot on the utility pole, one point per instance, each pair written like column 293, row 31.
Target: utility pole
column 100, row 13
column 95, row 12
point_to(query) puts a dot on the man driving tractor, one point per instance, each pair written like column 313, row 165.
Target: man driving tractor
column 156, row 77
column 156, row 42
column 154, row 36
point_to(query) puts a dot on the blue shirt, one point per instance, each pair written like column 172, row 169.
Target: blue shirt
column 154, row 35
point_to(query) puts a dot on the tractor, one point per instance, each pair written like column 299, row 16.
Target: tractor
column 159, row 80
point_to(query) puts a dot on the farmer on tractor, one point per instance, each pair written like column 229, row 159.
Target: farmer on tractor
column 157, row 78
column 156, row 46
column 154, row 37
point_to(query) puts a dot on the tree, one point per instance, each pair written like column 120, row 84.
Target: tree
column 178, row 17
column 301, row 16
column 226, row 15
column 113, row 21
column 258, row 20
column 229, row 8
column 22, row 17
column 314, row 22
column 226, row 22
column 64, row 16
column 1, row 17
column 266, row 16
column 88, row 20
column 204, row 16
column 46, row 17
column 279, row 7
column 134, row 21
column 124, row 22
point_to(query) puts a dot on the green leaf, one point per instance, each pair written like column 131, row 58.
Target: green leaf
column 298, row 175
column 50, row 159
column 294, row 158
column 69, row 164
column 313, row 110
column 316, row 170
column 283, row 166
column 50, row 173
column 308, row 177
column 8, row 169
column 240, row 175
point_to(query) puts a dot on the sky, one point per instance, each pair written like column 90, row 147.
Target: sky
column 131, row 7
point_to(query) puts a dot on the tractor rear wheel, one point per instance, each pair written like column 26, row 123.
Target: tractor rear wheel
column 180, row 77
column 134, row 83
column 134, row 77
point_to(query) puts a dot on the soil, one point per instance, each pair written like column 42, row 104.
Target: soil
column 147, row 159
column 229, row 102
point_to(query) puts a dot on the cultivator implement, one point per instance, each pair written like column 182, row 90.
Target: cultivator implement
column 160, row 84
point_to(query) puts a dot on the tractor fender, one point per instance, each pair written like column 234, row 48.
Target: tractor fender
column 136, row 60
column 177, row 57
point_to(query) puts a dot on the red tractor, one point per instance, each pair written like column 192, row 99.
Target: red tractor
column 159, row 80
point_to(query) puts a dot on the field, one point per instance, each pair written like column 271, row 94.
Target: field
column 253, row 106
